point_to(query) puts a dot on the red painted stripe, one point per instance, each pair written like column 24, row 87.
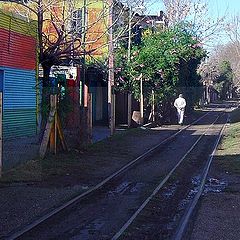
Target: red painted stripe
column 17, row 50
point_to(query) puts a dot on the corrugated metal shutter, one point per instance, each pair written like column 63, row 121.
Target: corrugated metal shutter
column 19, row 103
column 17, row 50
column 18, row 61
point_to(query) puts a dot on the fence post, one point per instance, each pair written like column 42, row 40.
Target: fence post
column 90, row 120
column 129, row 109
column 1, row 140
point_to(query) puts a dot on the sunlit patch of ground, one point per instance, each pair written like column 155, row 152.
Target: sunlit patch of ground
column 228, row 153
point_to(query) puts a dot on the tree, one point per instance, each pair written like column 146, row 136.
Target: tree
column 65, row 35
column 59, row 31
column 212, row 68
column 232, row 48
column 74, row 32
column 161, row 66
column 232, row 29
column 224, row 81
column 196, row 14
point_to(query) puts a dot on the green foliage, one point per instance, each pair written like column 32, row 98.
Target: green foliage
column 225, row 79
column 160, row 61
column 226, row 73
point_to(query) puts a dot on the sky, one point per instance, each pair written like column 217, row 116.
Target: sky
column 217, row 7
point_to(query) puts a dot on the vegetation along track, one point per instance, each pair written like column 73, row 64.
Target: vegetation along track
column 96, row 215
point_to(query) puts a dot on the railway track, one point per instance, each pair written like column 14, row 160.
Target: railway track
column 87, row 216
column 180, row 189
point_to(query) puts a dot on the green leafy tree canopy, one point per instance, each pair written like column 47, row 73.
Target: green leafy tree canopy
column 157, row 61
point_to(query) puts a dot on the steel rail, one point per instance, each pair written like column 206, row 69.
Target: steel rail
column 156, row 190
column 40, row 220
column 186, row 217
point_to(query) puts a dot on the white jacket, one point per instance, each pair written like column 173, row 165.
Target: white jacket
column 180, row 103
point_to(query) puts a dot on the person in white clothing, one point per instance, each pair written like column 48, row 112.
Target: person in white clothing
column 180, row 104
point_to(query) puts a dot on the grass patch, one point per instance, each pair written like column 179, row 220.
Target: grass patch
column 76, row 161
column 117, row 140
column 235, row 115
column 42, row 169
column 228, row 155
column 30, row 171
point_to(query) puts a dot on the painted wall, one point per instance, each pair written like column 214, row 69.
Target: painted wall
column 97, row 22
column 18, row 76
column 17, row 50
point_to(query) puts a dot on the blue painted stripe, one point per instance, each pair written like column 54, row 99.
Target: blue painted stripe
column 19, row 102
column 19, row 88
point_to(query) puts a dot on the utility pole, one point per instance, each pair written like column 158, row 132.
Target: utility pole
column 111, row 107
column 129, row 100
column 131, row 14
column 129, row 33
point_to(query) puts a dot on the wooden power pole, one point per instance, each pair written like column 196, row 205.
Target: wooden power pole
column 111, row 106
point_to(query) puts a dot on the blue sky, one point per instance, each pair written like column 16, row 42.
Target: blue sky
column 217, row 8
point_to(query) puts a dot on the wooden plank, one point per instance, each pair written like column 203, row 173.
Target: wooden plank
column 1, row 154
column 46, row 135
column 52, row 139
column 53, row 133
column 61, row 136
